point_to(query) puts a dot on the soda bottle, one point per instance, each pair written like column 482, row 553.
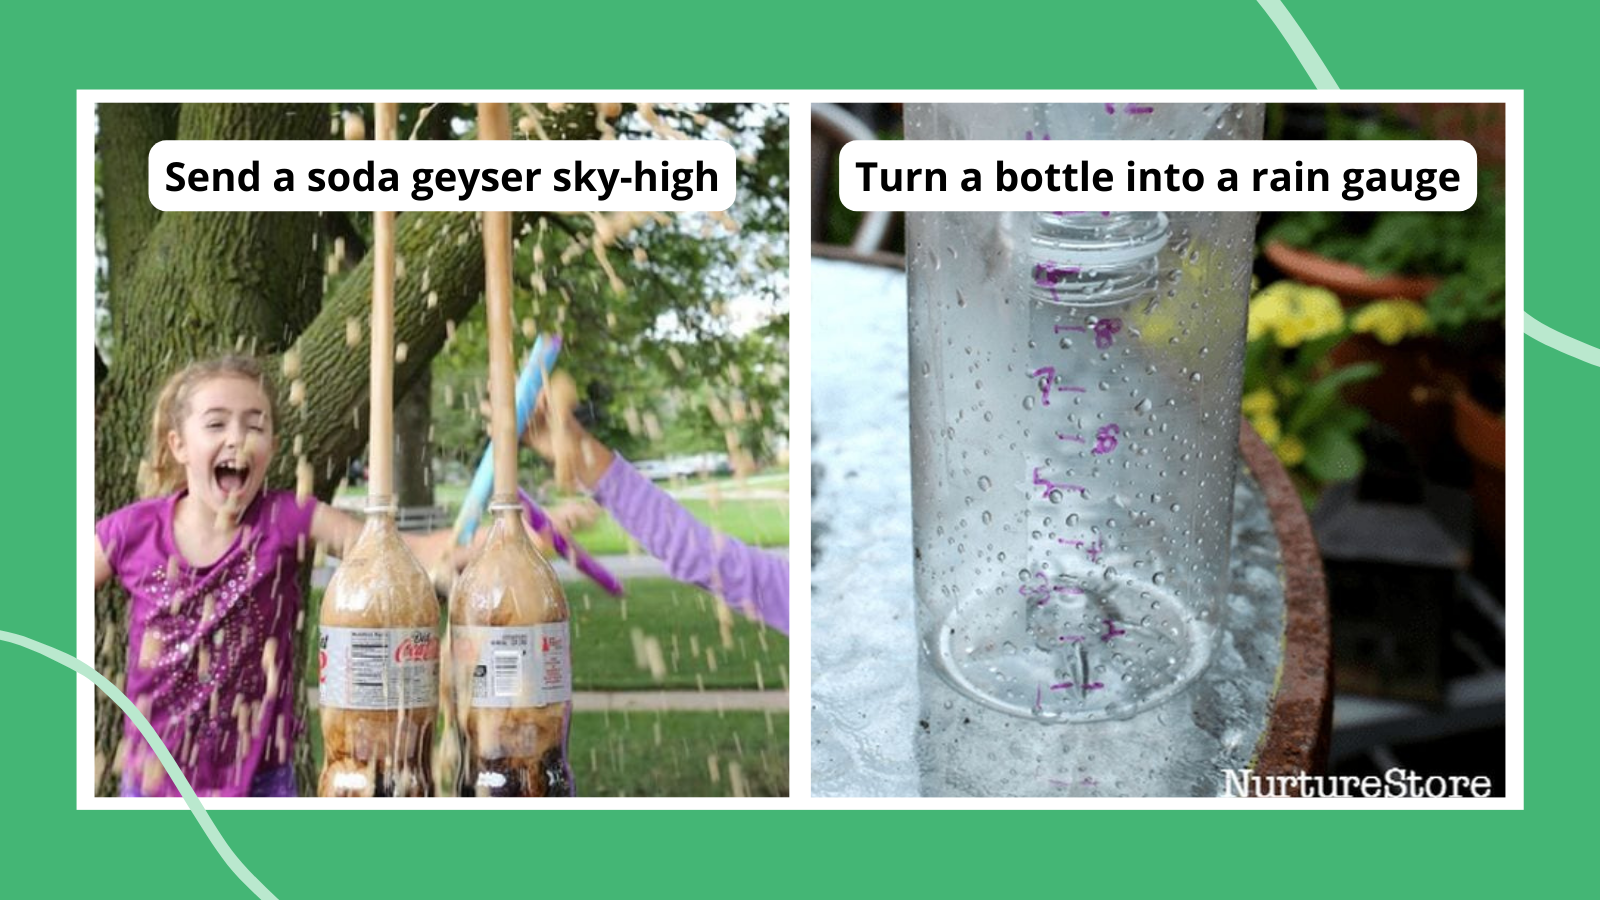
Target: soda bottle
column 379, row 668
column 511, row 667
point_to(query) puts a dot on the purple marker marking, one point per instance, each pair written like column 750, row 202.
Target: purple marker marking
column 1094, row 550
column 1061, row 328
column 1061, row 687
column 1111, row 631
column 1078, row 544
column 1049, row 486
column 1104, row 330
column 1105, row 440
column 1070, row 437
column 1072, row 638
column 1049, row 373
column 1049, row 274
column 1111, row 109
column 1132, row 110
column 1093, row 686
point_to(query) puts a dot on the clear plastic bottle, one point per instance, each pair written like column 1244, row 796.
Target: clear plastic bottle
column 1075, row 381
column 511, row 667
column 379, row 667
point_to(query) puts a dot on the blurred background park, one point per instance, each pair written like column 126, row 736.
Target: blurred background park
column 1375, row 370
column 674, row 327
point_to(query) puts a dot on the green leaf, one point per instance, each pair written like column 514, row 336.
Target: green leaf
column 1333, row 455
column 1346, row 418
column 1319, row 399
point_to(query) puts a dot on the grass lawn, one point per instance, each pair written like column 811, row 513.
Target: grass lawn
column 674, row 754
column 758, row 522
column 661, row 635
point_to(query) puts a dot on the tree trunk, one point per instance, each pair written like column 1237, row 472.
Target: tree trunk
column 413, row 423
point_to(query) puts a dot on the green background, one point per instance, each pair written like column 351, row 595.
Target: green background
column 54, row 49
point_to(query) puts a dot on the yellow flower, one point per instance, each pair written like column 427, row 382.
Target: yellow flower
column 1291, row 451
column 1391, row 321
column 1267, row 426
column 1259, row 402
column 1294, row 313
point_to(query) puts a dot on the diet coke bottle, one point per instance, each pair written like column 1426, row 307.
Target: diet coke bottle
column 511, row 667
column 379, row 661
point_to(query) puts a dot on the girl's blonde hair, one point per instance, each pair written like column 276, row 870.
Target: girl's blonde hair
column 159, row 472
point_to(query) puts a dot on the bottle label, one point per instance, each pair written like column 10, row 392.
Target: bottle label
column 529, row 665
column 378, row 668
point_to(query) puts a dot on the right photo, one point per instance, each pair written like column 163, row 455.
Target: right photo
column 1158, row 504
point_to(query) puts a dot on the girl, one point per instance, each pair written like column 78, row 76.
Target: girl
column 212, row 562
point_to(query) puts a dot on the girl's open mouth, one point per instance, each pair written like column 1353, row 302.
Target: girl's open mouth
column 231, row 475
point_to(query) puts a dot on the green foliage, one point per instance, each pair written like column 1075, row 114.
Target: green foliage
column 654, row 360
column 1293, row 395
column 1466, row 249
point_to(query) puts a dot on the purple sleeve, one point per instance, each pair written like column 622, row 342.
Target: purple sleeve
column 109, row 531
column 745, row 578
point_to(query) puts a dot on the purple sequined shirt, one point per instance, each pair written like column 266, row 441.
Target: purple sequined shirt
column 210, row 648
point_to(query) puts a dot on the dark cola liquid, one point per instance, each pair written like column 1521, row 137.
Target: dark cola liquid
column 547, row 776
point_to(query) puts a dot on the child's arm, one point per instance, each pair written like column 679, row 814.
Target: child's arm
column 102, row 565
column 338, row 529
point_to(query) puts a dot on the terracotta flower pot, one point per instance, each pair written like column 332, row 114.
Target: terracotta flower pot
column 1353, row 284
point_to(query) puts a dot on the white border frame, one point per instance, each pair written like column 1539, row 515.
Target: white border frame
column 799, row 106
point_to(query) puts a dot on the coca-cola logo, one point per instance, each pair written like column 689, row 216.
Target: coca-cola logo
column 417, row 648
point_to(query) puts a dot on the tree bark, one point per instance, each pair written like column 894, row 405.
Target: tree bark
column 413, row 421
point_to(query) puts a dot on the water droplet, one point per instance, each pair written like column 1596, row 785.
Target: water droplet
column 1055, row 495
column 1159, row 578
column 961, row 299
column 1176, row 507
column 1027, row 403
column 1143, row 406
column 1195, row 378
column 984, row 483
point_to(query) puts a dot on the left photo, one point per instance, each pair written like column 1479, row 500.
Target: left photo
column 454, row 504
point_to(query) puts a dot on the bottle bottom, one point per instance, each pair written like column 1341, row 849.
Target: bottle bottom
column 545, row 776
column 1079, row 657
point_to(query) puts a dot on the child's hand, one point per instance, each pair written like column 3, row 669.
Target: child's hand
column 572, row 517
column 555, row 434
